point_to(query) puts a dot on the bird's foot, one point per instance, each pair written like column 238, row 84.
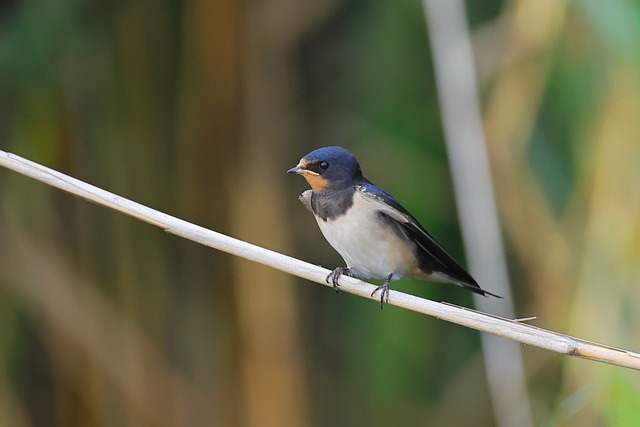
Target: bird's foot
column 384, row 288
column 335, row 275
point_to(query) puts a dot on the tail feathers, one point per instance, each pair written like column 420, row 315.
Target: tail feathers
column 476, row 289
column 469, row 283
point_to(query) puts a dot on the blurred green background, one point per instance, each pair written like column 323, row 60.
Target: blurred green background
column 197, row 108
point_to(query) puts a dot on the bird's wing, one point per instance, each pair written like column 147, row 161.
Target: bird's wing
column 432, row 256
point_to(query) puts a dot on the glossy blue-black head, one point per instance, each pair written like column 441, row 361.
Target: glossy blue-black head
column 329, row 169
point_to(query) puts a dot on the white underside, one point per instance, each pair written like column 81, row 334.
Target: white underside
column 369, row 247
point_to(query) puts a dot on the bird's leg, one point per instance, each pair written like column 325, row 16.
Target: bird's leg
column 335, row 275
column 384, row 295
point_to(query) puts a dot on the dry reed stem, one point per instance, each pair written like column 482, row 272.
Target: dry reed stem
column 503, row 327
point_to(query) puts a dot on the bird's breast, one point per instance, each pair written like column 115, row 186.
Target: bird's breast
column 369, row 246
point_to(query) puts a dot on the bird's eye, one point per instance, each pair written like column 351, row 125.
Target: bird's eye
column 323, row 165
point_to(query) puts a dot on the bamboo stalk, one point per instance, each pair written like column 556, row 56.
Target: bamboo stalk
column 500, row 326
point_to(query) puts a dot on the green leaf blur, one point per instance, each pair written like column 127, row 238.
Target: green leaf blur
column 198, row 108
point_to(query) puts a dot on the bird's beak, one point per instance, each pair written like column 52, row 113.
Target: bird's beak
column 298, row 170
column 301, row 169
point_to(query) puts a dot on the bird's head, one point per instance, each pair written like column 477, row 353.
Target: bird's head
column 329, row 169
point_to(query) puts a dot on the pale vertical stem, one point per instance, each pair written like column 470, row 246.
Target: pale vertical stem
column 462, row 122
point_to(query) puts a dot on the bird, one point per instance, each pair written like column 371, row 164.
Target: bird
column 375, row 235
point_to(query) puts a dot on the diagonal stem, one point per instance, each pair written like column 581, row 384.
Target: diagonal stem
column 500, row 326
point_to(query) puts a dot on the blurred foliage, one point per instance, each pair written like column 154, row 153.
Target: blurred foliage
column 197, row 108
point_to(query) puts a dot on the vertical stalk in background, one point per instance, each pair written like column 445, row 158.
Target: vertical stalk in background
column 462, row 123
column 275, row 387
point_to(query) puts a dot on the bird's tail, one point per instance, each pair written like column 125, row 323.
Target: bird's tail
column 468, row 283
column 474, row 287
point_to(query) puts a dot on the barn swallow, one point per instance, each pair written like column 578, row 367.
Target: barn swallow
column 374, row 234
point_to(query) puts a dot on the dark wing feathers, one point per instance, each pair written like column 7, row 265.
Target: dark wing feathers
column 432, row 256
